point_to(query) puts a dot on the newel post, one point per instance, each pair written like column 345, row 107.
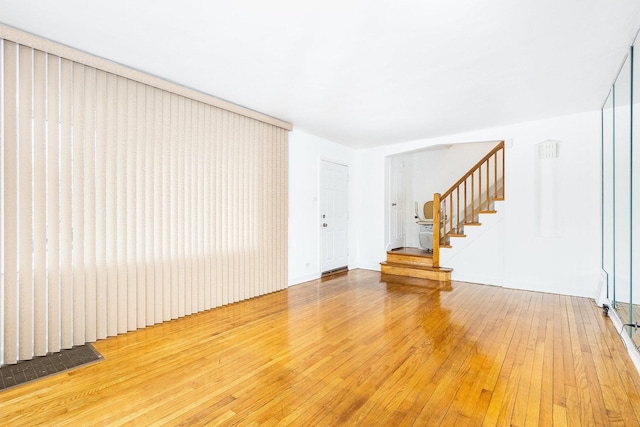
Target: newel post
column 436, row 230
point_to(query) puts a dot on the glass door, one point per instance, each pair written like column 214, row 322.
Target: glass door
column 621, row 195
column 621, row 192
column 635, row 194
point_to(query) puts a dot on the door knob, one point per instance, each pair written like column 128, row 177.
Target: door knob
column 324, row 224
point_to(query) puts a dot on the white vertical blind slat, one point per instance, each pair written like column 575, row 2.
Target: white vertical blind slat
column 251, row 199
column 219, row 280
column 149, row 205
column 89, row 209
column 10, row 182
column 77, row 212
column 193, row 213
column 207, row 207
column 111, row 188
column 184, row 297
column 212, row 207
column 227, row 260
column 231, row 210
column 248, row 212
column 174, row 225
column 269, row 235
column 200, row 206
column 238, row 214
column 101, row 161
column 66, row 266
column 166, row 206
column 121, row 204
column 53, row 204
column 268, row 161
column 185, row 207
column 259, row 201
column 157, row 206
column 131, row 240
column 245, row 176
column 258, row 219
column 40, row 204
column 25, row 207
column 140, row 219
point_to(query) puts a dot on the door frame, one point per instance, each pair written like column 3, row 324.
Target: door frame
column 387, row 202
column 319, row 213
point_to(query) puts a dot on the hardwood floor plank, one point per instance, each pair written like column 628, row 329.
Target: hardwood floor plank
column 545, row 416
column 354, row 350
column 501, row 404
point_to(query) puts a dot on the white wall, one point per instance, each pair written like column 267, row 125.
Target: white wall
column 434, row 171
column 567, row 264
column 305, row 153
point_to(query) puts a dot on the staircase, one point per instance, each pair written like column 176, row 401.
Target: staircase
column 412, row 262
column 459, row 207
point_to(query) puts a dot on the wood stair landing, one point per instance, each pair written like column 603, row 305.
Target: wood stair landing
column 412, row 262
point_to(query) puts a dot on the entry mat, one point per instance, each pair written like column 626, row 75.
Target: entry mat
column 39, row 367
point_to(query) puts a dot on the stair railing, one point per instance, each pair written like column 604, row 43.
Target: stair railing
column 473, row 194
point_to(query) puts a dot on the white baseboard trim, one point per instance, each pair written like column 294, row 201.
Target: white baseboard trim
column 374, row 267
column 634, row 354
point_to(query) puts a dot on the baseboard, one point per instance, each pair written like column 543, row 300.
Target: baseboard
column 373, row 267
column 634, row 354
column 548, row 289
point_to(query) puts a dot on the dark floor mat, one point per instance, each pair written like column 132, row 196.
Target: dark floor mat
column 39, row 367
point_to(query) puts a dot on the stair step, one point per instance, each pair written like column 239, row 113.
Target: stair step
column 442, row 285
column 414, row 259
column 490, row 211
column 456, row 235
column 422, row 272
column 473, row 224
column 417, row 267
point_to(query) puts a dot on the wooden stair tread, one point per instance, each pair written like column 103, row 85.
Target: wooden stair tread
column 456, row 235
column 414, row 252
column 410, row 256
column 414, row 266
column 490, row 211
column 473, row 224
column 416, row 271
column 416, row 281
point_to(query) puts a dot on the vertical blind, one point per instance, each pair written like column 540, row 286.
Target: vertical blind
column 124, row 205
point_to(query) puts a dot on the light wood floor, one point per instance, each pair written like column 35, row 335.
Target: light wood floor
column 353, row 350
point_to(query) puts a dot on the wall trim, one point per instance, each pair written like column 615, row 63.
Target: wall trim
column 634, row 354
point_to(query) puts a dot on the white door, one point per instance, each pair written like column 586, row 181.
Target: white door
column 334, row 180
column 396, row 203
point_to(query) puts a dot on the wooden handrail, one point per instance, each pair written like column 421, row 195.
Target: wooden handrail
column 497, row 148
column 446, row 218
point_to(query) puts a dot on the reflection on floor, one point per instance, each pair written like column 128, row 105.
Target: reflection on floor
column 630, row 313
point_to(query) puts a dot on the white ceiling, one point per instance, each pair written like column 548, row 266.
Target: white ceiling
column 361, row 72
